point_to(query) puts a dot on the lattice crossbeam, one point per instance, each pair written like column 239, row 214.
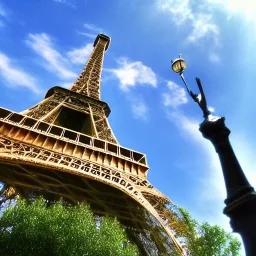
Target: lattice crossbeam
column 23, row 153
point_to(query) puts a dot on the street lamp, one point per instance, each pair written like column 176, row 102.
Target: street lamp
column 178, row 66
column 241, row 196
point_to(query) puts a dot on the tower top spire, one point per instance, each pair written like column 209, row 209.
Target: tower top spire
column 103, row 37
column 88, row 83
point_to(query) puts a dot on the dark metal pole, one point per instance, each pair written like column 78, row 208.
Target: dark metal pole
column 241, row 197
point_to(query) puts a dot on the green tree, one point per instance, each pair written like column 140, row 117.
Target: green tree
column 38, row 229
column 206, row 240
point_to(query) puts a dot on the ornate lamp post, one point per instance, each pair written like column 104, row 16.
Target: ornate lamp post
column 241, row 196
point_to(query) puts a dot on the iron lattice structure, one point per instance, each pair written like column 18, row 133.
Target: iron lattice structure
column 63, row 147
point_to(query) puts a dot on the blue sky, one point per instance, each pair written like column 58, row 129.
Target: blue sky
column 46, row 43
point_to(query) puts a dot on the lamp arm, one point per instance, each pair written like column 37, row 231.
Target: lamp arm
column 202, row 102
column 184, row 81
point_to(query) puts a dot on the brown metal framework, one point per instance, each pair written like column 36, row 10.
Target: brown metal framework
column 63, row 147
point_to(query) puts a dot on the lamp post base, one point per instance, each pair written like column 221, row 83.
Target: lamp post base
column 241, row 196
column 242, row 214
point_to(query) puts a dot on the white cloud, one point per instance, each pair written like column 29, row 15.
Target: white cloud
column 138, row 106
column 246, row 8
column 3, row 12
column 188, row 125
column 213, row 57
column 92, row 27
column 180, row 10
column 3, row 15
column 87, row 34
column 131, row 74
column 203, row 27
column 69, row 3
column 80, row 55
column 211, row 109
column 140, row 110
column 91, row 30
column 43, row 45
column 193, row 13
column 176, row 96
column 14, row 76
column 198, row 20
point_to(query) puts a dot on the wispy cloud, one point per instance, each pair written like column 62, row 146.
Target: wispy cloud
column 140, row 110
column 176, row 95
column 215, row 58
column 87, row 34
column 67, row 2
column 180, row 10
column 80, row 55
column 131, row 74
column 211, row 109
column 196, row 18
column 203, row 27
column 3, row 12
column 15, row 76
column 43, row 45
column 92, row 27
column 3, row 15
column 246, row 8
column 199, row 20
column 138, row 105
column 246, row 156
column 210, row 179
column 91, row 30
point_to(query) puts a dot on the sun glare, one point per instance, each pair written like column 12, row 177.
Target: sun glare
column 247, row 8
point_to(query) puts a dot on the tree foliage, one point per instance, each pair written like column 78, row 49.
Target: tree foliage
column 41, row 229
column 38, row 229
column 206, row 240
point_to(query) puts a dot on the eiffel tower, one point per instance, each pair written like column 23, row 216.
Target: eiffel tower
column 63, row 147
